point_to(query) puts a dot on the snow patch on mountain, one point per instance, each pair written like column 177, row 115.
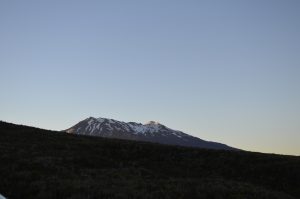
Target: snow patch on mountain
column 151, row 127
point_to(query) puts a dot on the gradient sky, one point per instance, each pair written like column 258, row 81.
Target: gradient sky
column 227, row 71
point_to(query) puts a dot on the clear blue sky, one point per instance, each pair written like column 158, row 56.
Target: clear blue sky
column 227, row 71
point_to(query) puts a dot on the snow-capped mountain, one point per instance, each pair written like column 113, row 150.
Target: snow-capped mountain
column 151, row 132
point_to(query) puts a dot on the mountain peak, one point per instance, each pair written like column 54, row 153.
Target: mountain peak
column 151, row 131
column 152, row 123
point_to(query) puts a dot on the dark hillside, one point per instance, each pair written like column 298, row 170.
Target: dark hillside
column 36, row 163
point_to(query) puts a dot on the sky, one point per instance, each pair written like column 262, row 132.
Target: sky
column 226, row 71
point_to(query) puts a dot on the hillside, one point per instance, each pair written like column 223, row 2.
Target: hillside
column 37, row 163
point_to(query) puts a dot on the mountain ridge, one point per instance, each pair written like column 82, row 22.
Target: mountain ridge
column 151, row 131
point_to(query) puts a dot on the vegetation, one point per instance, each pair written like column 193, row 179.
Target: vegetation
column 36, row 163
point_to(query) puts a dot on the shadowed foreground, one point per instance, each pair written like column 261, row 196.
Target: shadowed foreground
column 36, row 163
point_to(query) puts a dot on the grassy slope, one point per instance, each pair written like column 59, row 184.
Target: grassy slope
column 36, row 163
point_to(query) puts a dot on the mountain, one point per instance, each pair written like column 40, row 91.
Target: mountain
column 150, row 132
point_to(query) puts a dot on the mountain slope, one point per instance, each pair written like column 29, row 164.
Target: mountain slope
column 151, row 132
column 37, row 163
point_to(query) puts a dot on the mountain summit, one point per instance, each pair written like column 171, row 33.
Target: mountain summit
column 151, row 132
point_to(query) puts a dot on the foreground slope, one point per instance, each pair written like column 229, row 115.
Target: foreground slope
column 149, row 132
column 36, row 163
